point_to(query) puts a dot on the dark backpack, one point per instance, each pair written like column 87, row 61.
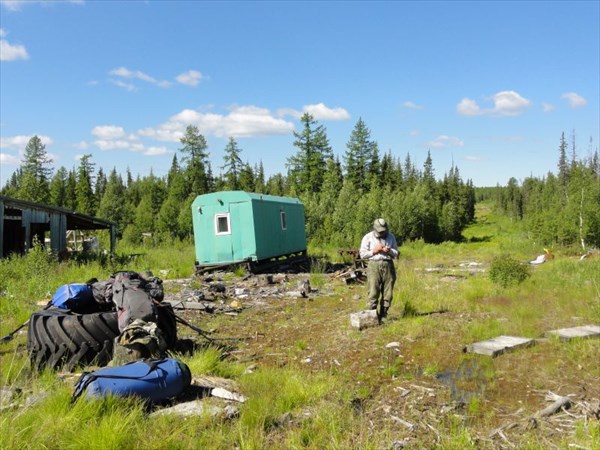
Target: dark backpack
column 132, row 300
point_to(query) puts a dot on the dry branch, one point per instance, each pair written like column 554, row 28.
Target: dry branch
column 559, row 403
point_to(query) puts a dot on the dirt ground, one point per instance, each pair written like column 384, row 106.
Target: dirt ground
column 409, row 374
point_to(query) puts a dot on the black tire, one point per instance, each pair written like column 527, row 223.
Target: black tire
column 58, row 339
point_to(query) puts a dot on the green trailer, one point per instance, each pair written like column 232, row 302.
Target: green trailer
column 233, row 227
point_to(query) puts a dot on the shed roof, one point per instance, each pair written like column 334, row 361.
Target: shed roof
column 75, row 220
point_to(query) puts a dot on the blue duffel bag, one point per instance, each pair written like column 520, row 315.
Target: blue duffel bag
column 77, row 297
column 152, row 380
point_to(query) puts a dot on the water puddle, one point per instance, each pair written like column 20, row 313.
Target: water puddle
column 466, row 382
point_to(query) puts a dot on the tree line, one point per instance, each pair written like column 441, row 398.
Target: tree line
column 558, row 209
column 341, row 197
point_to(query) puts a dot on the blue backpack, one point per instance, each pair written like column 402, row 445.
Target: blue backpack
column 76, row 297
column 152, row 380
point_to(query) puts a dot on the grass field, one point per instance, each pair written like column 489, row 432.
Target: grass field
column 318, row 383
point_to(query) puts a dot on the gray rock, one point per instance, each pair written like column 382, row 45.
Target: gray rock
column 190, row 409
column 364, row 319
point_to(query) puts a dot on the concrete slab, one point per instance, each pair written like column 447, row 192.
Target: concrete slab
column 583, row 332
column 498, row 345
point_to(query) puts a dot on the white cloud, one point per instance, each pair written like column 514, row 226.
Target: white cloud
column 127, row 86
column 548, row 107
column 468, row 107
column 112, row 137
column 241, row 121
column 411, row 105
column 322, row 112
column 10, row 52
column 190, row 78
column 81, row 145
column 138, row 75
column 472, row 158
column 414, row 132
column 319, row 111
column 119, row 144
column 155, row 151
column 15, row 5
column 21, row 141
column 575, row 100
column 9, row 159
column 445, row 141
column 124, row 144
column 105, row 132
column 506, row 103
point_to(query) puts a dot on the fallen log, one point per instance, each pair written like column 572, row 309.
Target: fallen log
column 559, row 403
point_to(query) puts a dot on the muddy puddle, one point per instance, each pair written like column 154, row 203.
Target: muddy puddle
column 466, row 382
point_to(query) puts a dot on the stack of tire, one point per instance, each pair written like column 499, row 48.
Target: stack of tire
column 82, row 333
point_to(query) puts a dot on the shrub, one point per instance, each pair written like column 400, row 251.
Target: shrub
column 507, row 271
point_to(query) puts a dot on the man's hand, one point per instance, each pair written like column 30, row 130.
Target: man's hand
column 385, row 249
column 378, row 248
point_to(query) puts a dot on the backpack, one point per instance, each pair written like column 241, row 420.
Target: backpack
column 132, row 300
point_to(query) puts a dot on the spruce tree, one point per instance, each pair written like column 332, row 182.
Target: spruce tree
column 196, row 160
column 58, row 188
column 36, row 172
column 71, row 191
column 232, row 165
column 112, row 205
column 359, row 155
column 259, row 178
column 305, row 168
column 563, row 165
column 86, row 203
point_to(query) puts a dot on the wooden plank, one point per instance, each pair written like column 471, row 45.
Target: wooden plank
column 583, row 332
column 498, row 345
column 178, row 304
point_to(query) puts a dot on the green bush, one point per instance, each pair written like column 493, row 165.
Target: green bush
column 507, row 271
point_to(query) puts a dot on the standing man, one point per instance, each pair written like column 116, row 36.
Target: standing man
column 380, row 248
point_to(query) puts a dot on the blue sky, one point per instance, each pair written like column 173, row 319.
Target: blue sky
column 489, row 86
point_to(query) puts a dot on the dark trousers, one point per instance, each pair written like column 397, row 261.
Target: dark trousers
column 381, row 276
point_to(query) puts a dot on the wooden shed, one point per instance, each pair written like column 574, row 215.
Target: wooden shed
column 236, row 226
column 21, row 221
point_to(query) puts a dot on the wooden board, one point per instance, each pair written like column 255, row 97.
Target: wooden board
column 566, row 334
column 498, row 345
column 180, row 304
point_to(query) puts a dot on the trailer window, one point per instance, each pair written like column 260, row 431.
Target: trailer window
column 222, row 225
column 283, row 221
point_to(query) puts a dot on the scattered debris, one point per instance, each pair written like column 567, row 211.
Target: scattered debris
column 209, row 383
column 227, row 395
column 402, row 422
column 559, row 403
column 198, row 407
column 547, row 256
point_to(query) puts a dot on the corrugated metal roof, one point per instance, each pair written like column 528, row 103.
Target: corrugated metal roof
column 75, row 220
